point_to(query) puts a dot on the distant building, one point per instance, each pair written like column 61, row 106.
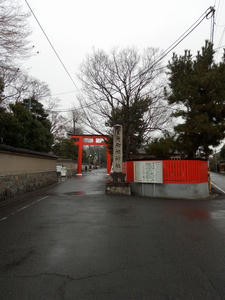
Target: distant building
column 222, row 166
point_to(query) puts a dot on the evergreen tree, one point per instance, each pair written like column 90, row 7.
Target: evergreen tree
column 162, row 147
column 10, row 129
column 20, row 128
column 36, row 109
column 131, row 117
column 65, row 148
column 197, row 85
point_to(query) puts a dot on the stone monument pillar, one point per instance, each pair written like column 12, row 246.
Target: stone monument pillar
column 117, row 148
column 118, row 184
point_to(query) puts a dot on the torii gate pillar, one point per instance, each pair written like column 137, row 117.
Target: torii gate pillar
column 80, row 142
column 79, row 159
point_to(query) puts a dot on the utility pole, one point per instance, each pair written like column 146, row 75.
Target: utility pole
column 211, row 14
column 74, row 122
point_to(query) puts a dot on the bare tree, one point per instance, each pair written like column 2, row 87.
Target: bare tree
column 59, row 123
column 14, row 45
column 124, row 87
column 13, row 32
column 18, row 85
column 38, row 89
column 76, row 117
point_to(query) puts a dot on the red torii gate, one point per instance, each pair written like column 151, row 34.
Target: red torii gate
column 80, row 142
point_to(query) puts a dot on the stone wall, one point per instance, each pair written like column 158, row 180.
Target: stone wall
column 23, row 170
column 12, row 185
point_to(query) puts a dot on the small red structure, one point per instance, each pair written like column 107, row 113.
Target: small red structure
column 174, row 179
column 176, row 171
column 84, row 140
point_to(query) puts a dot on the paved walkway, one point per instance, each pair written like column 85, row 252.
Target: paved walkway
column 75, row 242
column 218, row 180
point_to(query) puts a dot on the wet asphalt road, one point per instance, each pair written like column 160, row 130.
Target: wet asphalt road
column 74, row 242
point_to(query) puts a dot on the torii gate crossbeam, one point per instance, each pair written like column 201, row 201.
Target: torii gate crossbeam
column 84, row 140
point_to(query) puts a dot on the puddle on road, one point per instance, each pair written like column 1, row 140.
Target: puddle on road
column 80, row 193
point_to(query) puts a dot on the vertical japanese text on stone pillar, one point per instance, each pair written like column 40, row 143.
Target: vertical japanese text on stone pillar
column 117, row 148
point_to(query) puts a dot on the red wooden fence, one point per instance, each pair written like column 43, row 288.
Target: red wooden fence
column 185, row 171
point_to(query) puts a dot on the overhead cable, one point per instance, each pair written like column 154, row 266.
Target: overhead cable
column 50, row 43
column 221, row 39
column 64, row 93
column 206, row 14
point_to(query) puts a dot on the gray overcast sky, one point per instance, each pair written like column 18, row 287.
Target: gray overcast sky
column 75, row 27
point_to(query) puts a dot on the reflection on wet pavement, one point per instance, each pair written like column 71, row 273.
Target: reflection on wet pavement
column 190, row 210
column 195, row 214
column 90, row 183
column 75, row 193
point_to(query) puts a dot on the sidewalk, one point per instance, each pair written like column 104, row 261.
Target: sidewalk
column 218, row 181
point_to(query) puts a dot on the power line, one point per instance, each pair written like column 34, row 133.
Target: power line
column 223, row 31
column 50, row 43
column 75, row 108
column 220, row 47
column 218, row 13
column 218, row 6
column 221, row 39
column 220, row 25
column 71, row 92
column 182, row 36
column 205, row 15
column 64, row 93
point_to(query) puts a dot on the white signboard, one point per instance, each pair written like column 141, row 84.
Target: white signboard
column 117, row 148
column 58, row 168
column 63, row 171
column 148, row 171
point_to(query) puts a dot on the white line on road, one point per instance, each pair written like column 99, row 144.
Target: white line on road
column 218, row 187
column 22, row 208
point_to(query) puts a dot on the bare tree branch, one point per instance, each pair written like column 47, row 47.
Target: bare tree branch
column 13, row 32
column 19, row 85
column 120, row 78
